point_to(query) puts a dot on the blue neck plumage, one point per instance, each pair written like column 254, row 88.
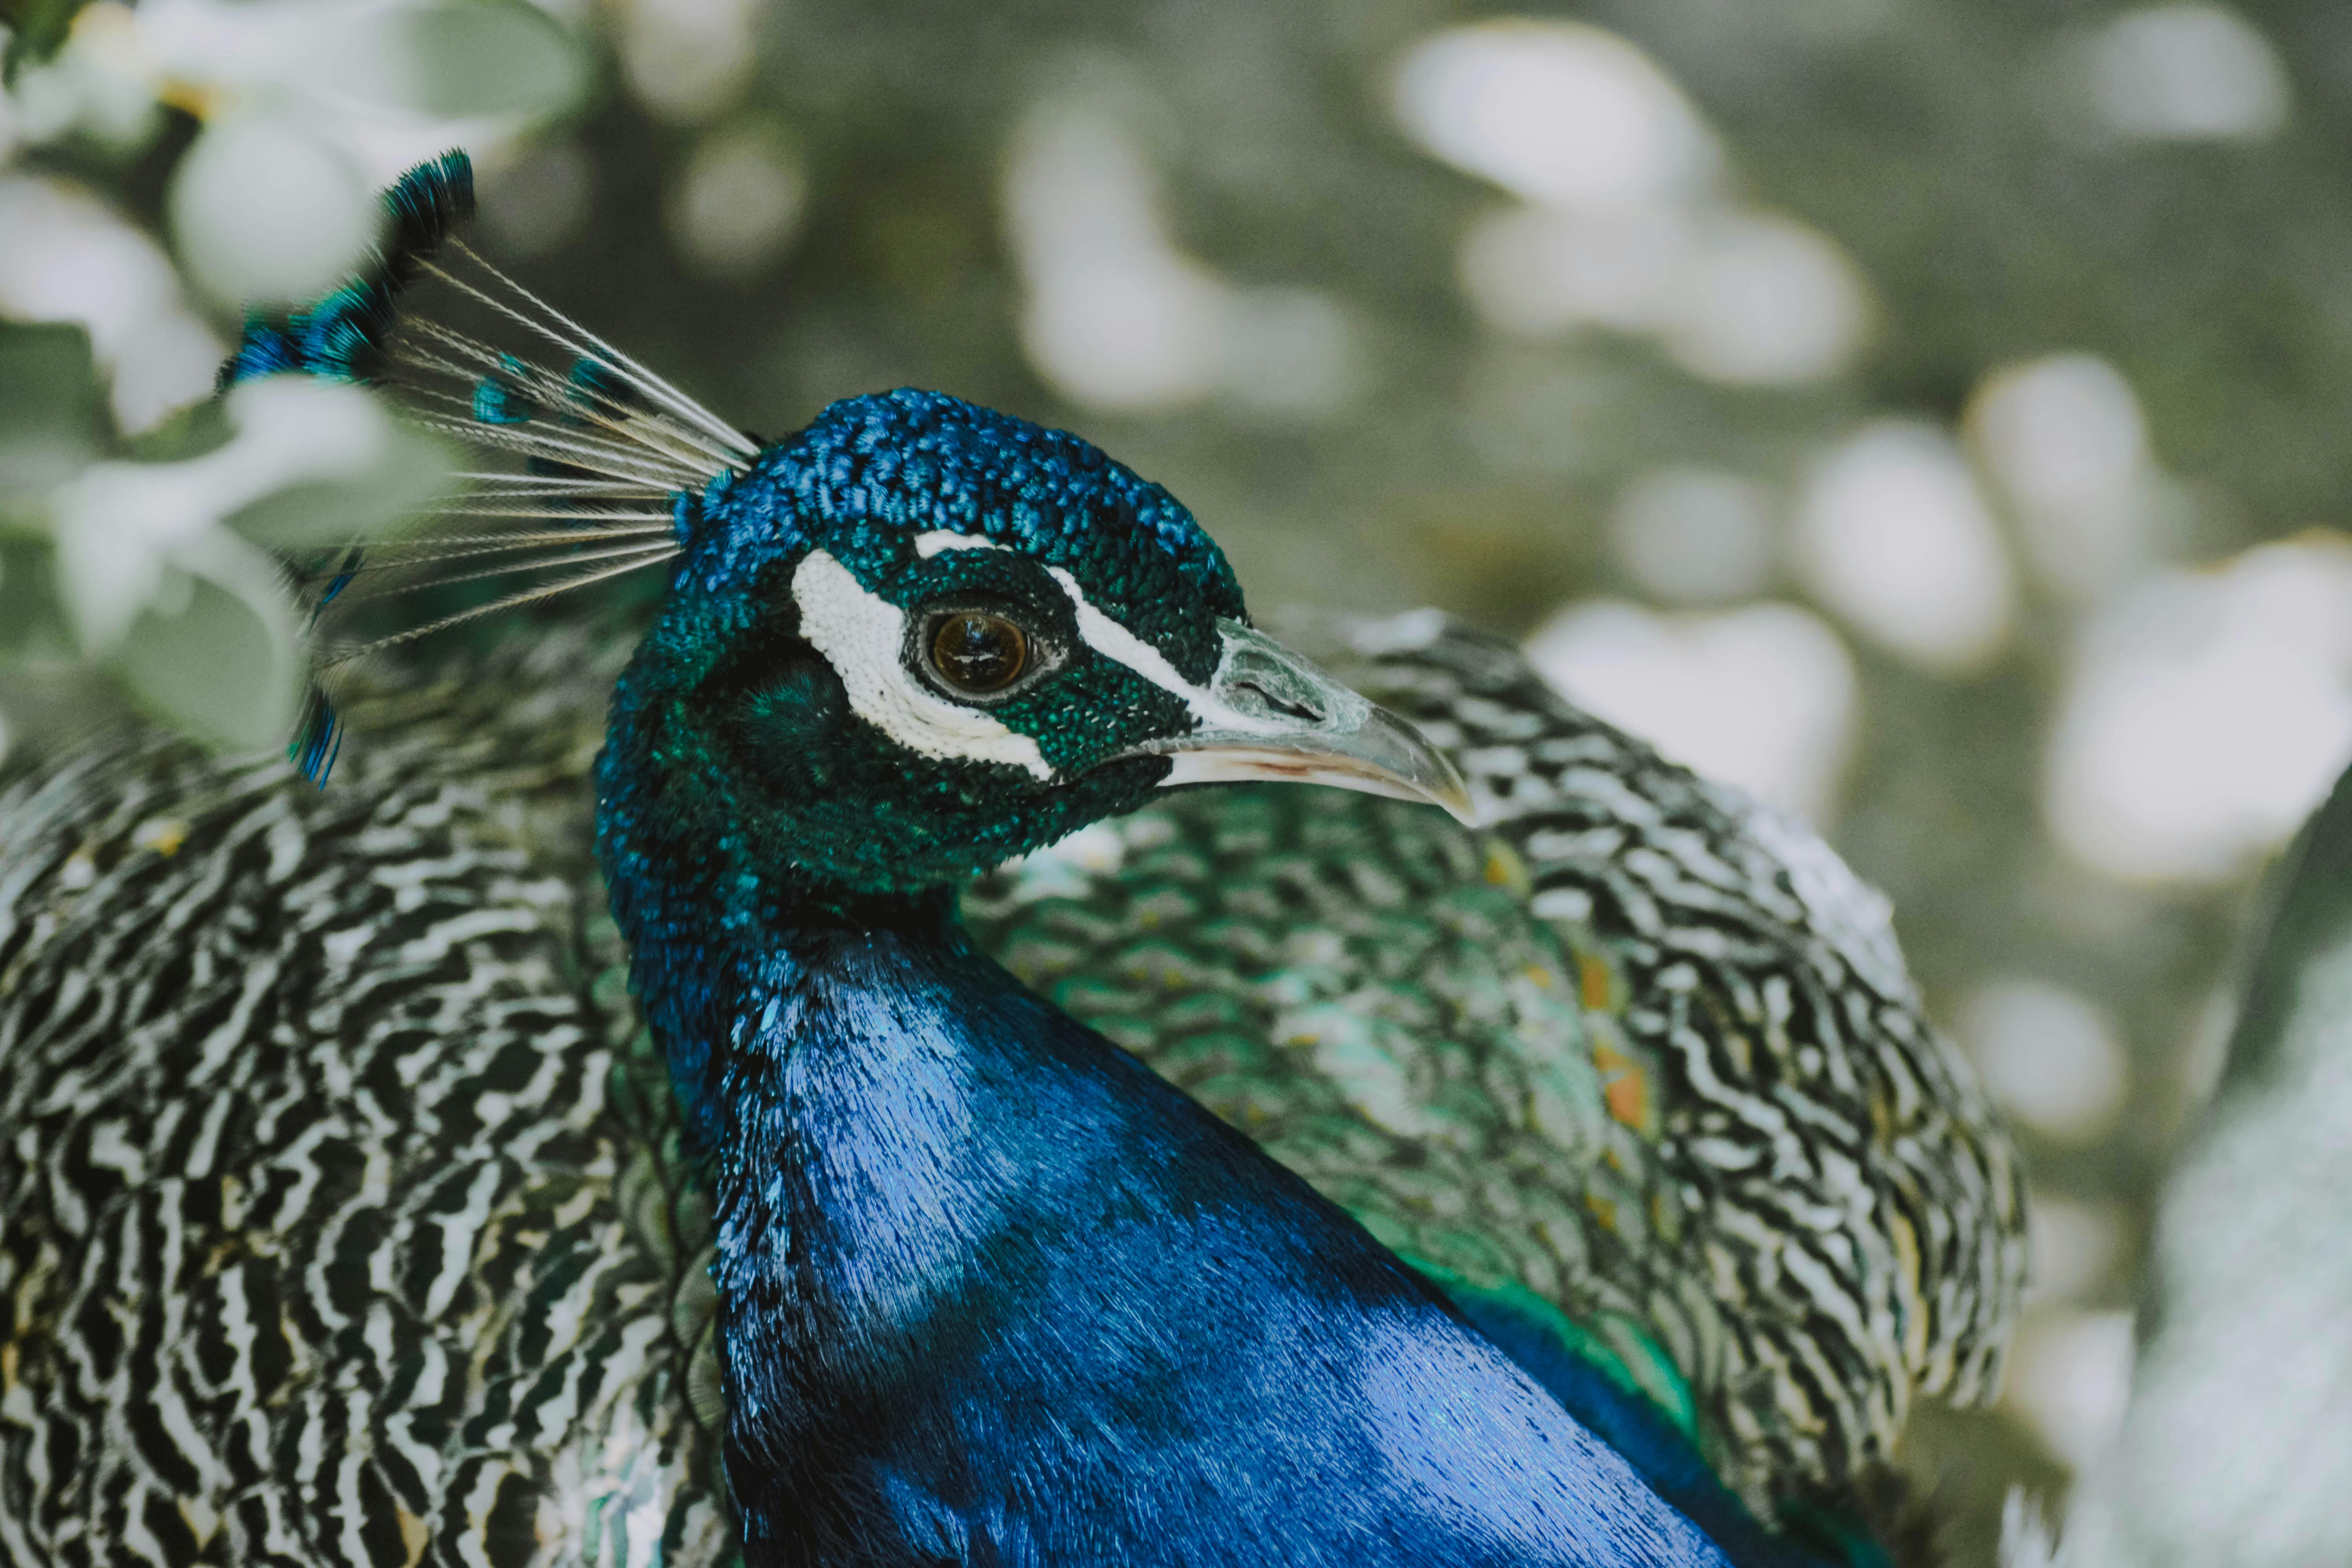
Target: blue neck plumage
column 991, row 1291
column 725, row 990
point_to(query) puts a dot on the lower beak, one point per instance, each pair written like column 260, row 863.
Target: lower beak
column 1270, row 714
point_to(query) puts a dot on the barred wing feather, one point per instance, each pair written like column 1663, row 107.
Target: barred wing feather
column 344, row 1220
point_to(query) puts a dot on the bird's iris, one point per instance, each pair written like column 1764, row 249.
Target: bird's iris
column 978, row 651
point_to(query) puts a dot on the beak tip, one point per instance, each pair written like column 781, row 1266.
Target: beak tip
column 1449, row 794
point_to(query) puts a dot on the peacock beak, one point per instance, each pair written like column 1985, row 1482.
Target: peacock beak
column 1270, row 714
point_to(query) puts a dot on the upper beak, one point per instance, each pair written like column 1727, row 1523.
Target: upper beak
column 1270, row 714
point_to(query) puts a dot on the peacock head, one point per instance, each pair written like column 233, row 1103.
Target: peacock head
column 922, row 636
column 912, row 641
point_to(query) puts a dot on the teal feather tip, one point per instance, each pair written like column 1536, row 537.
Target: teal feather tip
column 428, row 201
column 318, row 738
column 344, row 336
column 501, row 399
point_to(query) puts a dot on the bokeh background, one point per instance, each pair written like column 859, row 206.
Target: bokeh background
column 1929, row 414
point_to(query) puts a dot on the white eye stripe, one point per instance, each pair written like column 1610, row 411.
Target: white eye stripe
column 1116, row 643
column 864, row 637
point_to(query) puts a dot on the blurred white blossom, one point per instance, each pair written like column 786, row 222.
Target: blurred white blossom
column 1695, row 535
column 1533, row 270
column 268, row 211
column 739, row 200
column 1893, row 534
column 309, row 108
column 1116, row 316
column 2064, row 438
column 1623, row 226
column 2070, row 1377
column 1736, row 297
column 1556, row 112
column 2049, row 1056
column 2187, row 71
column 98, row 88
column 2206, row 714
column 138, row 540
column 1288, row 350
column 687, row 60
column 387, row 81
column 66, row 256
column 1761, row 696
column 1762, row 300
column 119, row 523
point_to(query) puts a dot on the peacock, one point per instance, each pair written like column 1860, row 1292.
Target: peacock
column 809, row 1078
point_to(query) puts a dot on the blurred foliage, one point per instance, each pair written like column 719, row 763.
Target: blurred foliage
column 37, row 29
column 53, row 416
column 155, row 555
column 53, row 423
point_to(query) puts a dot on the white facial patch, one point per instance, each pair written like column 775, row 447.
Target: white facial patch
column 864, row 637
column 1116, row 643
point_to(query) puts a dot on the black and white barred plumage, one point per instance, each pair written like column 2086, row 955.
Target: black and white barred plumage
column 338, row 1222
column 1860, row 1214
column 344, row 1221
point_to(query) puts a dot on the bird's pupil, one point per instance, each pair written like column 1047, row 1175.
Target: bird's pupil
column 975, row 652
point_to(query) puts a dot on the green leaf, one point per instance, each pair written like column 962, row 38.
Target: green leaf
column 37, row 29
column 413, row 473
column 32, row 623
column 191, row 431
column 463, row 59
column 213, row 662
column 53, row 418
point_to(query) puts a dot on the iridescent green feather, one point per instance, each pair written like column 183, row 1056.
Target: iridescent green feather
column 1348, row 980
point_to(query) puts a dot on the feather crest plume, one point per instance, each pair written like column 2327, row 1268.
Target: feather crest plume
column 582, row 452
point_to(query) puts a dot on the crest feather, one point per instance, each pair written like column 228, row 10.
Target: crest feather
column 583, row 460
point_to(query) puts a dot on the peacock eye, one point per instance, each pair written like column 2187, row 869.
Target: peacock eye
column 979, row 651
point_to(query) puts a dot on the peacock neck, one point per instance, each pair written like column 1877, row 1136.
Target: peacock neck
column 990, row 1290
column 825, row 1051
column 729, row 987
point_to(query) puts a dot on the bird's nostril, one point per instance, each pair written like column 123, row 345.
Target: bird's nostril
column 1283, row 706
